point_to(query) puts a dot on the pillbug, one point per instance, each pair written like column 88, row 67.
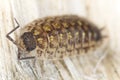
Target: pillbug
column 55, row 37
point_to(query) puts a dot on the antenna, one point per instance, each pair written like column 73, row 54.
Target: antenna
column 8, row 34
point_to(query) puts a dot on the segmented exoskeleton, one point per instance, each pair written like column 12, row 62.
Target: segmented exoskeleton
column 57, row 36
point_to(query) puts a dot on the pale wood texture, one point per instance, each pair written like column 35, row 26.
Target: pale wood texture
column 102, row 12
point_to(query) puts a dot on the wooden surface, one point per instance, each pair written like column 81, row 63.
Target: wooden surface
column 102, row 12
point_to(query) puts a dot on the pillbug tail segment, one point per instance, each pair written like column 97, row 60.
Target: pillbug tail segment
column 104, row 36
column 103, row 28
column 104, row 32
column 8, row 34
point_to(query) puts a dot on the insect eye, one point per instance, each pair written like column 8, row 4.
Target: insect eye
column 29, row 41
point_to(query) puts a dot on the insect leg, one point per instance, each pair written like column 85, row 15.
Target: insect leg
column 23, row 58
column 32, row 57
column 8, row 34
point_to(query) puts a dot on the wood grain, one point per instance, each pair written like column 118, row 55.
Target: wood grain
column 102, row 12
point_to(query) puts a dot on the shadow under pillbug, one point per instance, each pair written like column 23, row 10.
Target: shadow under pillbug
column 56, row 37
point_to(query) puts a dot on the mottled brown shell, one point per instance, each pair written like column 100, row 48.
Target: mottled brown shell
column 59, row 36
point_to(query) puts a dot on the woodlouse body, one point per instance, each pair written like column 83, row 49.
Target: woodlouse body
column 58, row 36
